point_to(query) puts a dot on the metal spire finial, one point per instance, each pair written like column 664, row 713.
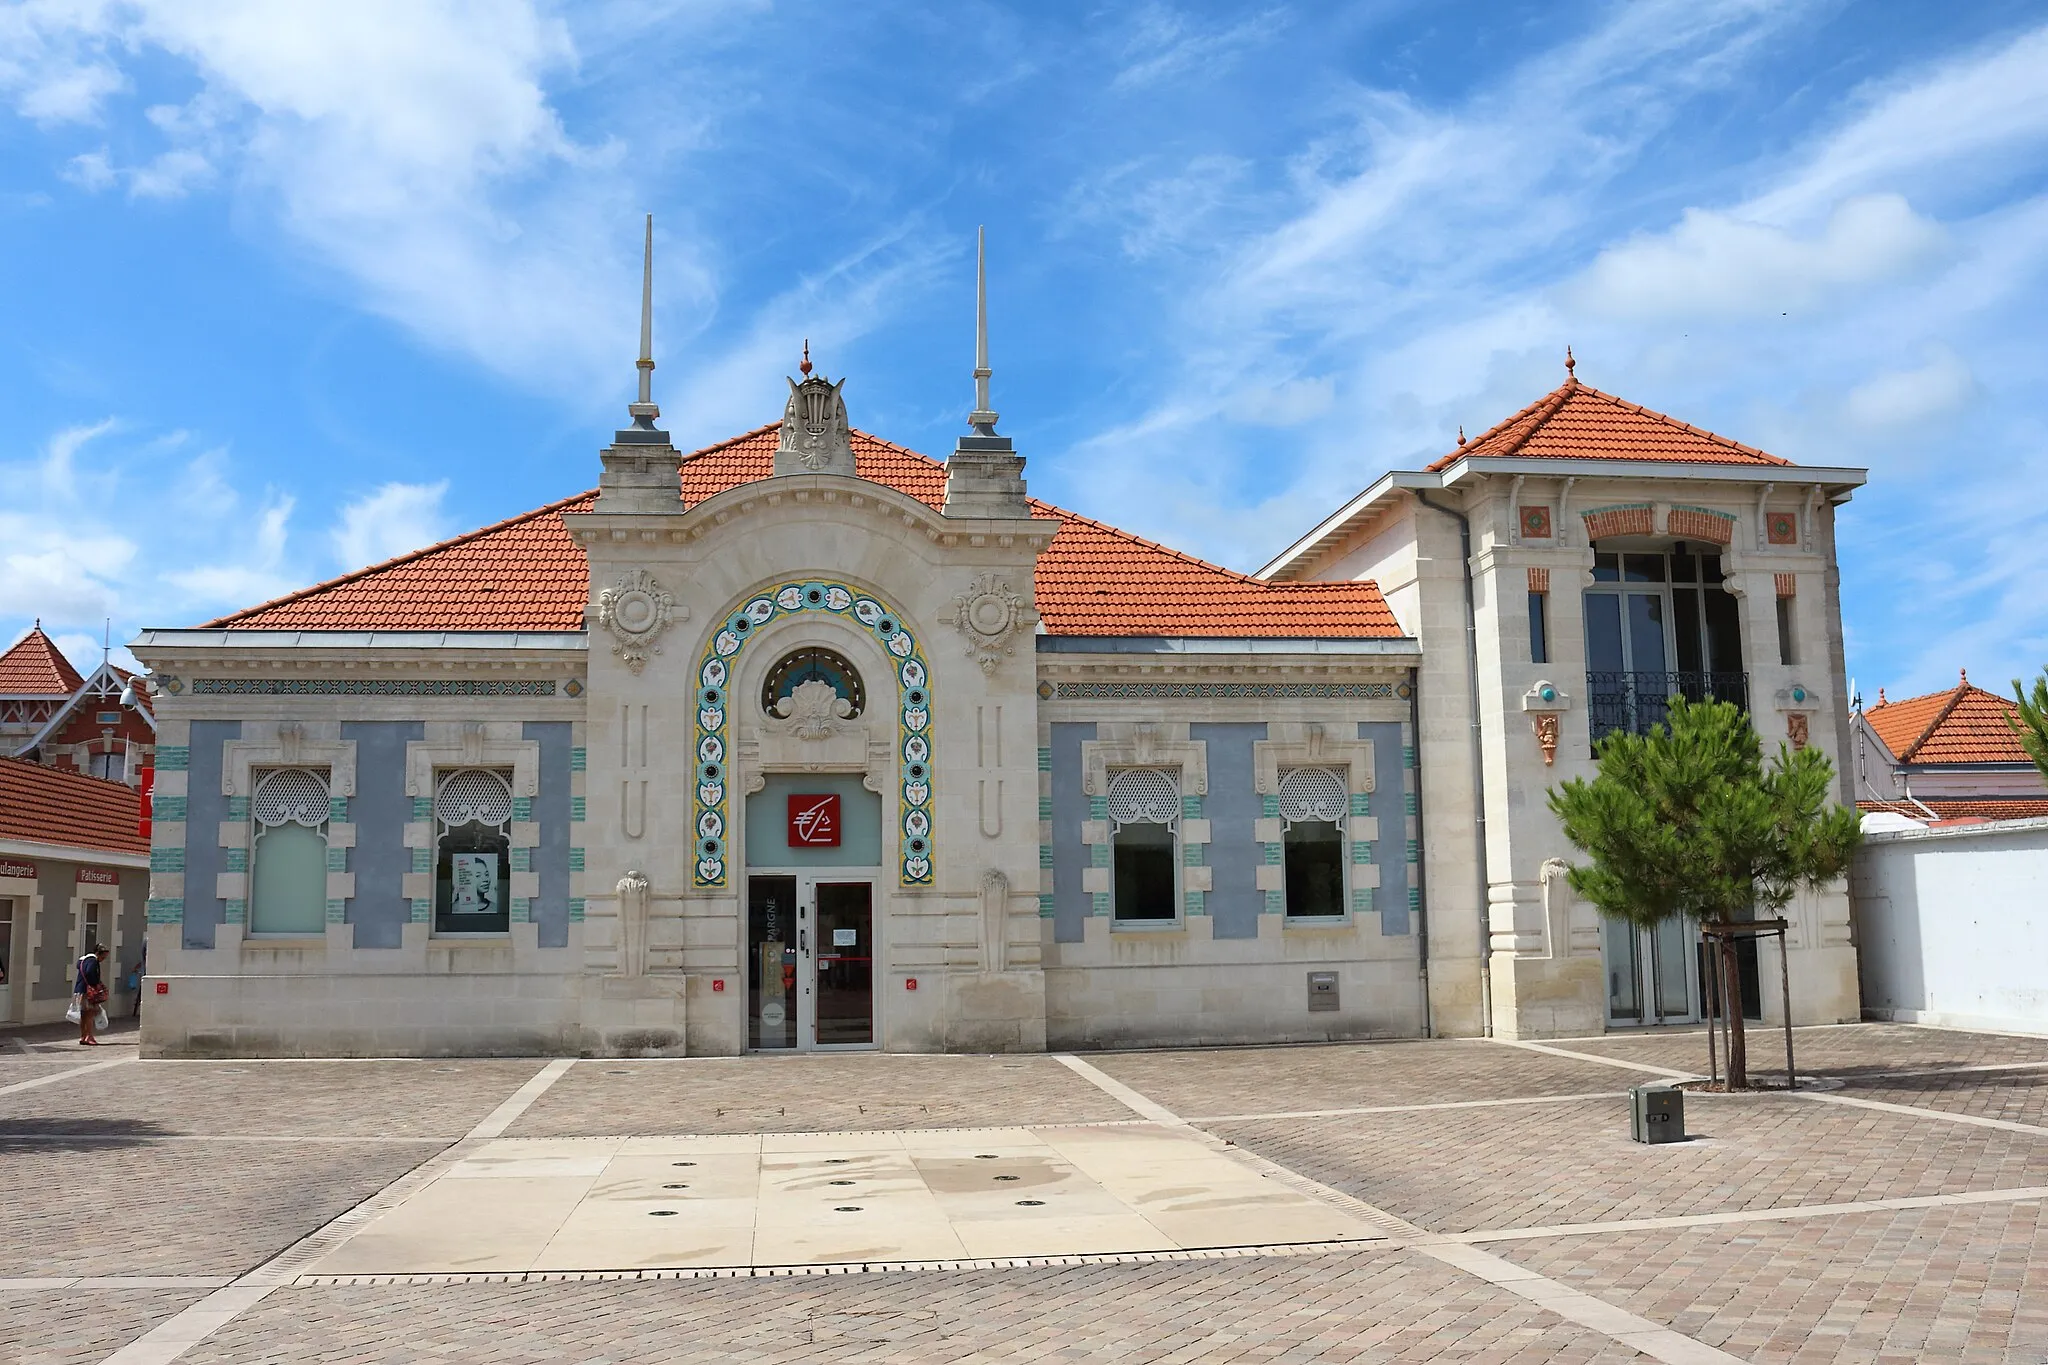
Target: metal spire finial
column 804, row 368
column 982, row 419
column 1571, row 366
column 1461, row 433
column 643, row 409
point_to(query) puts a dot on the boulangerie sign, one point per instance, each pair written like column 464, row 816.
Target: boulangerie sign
column 27, row 871
column 814, row 821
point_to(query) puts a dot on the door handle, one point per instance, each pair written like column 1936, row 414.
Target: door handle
column 800, row 940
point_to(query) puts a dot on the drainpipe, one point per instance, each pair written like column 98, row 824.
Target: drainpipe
column 1478, row 761
column 1421, row 848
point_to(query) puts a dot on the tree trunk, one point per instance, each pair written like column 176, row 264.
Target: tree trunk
column 1731, row 1001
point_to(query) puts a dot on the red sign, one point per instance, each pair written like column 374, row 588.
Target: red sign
column 98, row 876
column 27, row 870
column 146, row 785
column 814, row 821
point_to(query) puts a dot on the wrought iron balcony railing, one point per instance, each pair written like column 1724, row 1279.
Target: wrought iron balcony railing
column 1636, row 701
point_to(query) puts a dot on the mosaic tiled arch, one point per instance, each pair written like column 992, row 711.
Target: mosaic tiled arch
column 711, row 807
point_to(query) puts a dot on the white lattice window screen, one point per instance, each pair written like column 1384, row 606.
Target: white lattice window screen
column 295, row 796
column 473, row 796
column 1144, row 796
column 1313, row 794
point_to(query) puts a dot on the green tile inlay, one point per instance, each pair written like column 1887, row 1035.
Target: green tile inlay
column 522, row 910
column 1361, row 898
column 238, row 808
column 577, row 809
column 522, row 860
column 1191, row 855
column 422, row 808
column 575, row 860
column 1276, row 902
column 1045, row 760
column 170, row 859
column 167, row 807
column 1045, row 855
column 337, row 911
column 1046, row 909
column 166, row 909
column 337, row 860
column 1191, row 808
column 1361, row 852
column 1098, row 808
column 1100, row 903
column 579, row 760
column 1407, row 755
column 1361, row 803
column 1098, row 855
column 422, row 910
column 1408, row 802
column 576, row 909
column 337, row 810
column 1414, row 851
column 522, row 808
column 420, row 860
column 237, row 860
column 1045, row 808
column 236, row 911
column 1270, row 808
column 1194, row 903
column 173, row 758
column 1273, row 854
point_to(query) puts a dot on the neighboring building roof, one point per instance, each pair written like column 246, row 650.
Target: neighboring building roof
column 1577, row 422
column 35, row 667
column 104, row 686
column 1963, row 808
column 56, row 806
column 528, row 574
column 1965, row 724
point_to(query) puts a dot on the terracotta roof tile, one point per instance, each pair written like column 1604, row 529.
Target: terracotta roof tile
column 1948, row 809
column 35, row 667
column 1579, row 422
column 58, row 806
column 527, row 574
column 1965, row 724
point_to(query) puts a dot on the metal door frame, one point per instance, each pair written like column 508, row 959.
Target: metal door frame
column 807, row 881
column 1646, row 981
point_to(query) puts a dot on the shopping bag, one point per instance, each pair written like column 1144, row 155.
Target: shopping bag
column 73, row 1014
column 101, row 1021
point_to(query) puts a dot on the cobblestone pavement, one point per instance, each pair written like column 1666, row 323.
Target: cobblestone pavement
column 1290, row 1079
column 1460, row 1169
column 1841, row 1050
column 824, row 1092
column 1387, row 1306
column 212, row 1168
column 1955, row 1284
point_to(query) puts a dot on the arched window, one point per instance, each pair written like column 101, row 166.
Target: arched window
column 1144, row 820
column 813, row 665
column 1313, row 805
column 288, row 857
column 473, row 862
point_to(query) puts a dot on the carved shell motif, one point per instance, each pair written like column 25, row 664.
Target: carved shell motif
column 988, row 615
column 636, row 610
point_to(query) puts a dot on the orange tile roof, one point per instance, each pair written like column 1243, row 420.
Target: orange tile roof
column 1965, row 724
column 527, row 574
column 1966, row 808
column 1578, row 422
column 57, row 806
column 35, row 667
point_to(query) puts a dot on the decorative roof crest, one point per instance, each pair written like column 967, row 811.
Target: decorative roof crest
column 816, row 437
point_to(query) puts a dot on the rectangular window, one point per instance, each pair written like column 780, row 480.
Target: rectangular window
column 288, row 851
column 1539, row 627
column 1144, row 845
column 1314, row 803
column 1787, row 652
column 112, row 767
column 92, row 927
column 473, row 852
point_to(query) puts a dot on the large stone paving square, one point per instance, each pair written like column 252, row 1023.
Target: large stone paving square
column 1840, row 1050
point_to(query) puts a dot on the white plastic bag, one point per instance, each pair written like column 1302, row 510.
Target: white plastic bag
column 72, row 1015
column 101, row 1021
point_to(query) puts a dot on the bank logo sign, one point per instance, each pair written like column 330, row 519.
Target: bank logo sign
column 814, row 821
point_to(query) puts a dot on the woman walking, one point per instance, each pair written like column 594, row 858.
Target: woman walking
column 92, row 993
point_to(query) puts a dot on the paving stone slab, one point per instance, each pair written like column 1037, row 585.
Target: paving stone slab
column 325, row 1099
column 1461, row 1170
column 177, row 1208
column 842, row 1092
column 76, row 1326
column 1843, row 1050
column 1351, row 1308
column 1288, row 1079
column 1966, row 1285
column 2017, row 1096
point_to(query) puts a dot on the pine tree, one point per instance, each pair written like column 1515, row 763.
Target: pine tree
column 2032, row 722
column 1690, row 822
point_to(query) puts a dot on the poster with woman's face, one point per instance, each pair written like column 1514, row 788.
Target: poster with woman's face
column 475, row 877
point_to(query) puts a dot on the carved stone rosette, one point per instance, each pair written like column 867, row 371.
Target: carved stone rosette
column 636, row 610
column 989, row 616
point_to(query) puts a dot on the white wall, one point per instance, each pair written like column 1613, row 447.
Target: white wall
column 1952, row 925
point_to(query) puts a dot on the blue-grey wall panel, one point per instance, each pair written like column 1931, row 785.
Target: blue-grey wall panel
column 1070, row 904
column 56, row 883
column 551, row 808
column 205, row 809
column 379, row 810
column 1232, row 808
column 1390, row 807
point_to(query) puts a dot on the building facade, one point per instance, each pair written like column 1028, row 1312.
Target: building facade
column 1944, row 757
column 805, row 740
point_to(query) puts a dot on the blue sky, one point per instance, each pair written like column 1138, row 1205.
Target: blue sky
column 278, row 299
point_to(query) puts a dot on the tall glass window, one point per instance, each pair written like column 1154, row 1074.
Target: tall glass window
column 1144, row 814
column 1313, row 804
column 473, row 852
column 1539, row 627
column 288, row 857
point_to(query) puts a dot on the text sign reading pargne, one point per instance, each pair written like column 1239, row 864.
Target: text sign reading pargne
column 814, row 821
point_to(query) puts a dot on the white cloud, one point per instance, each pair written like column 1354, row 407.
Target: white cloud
column 91, row 170
column 1723, row 266
column 1163, row 43
column 1907, row 397
column 53, row 61
column 390, row 521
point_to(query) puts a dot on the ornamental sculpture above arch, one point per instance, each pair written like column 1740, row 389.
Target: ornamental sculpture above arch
column 989, row 616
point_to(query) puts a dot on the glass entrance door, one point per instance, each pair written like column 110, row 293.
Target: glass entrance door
column 810, row 962
column 1651, row 975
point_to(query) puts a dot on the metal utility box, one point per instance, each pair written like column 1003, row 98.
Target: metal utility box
column 1657, row 1113
column 1322, row 991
